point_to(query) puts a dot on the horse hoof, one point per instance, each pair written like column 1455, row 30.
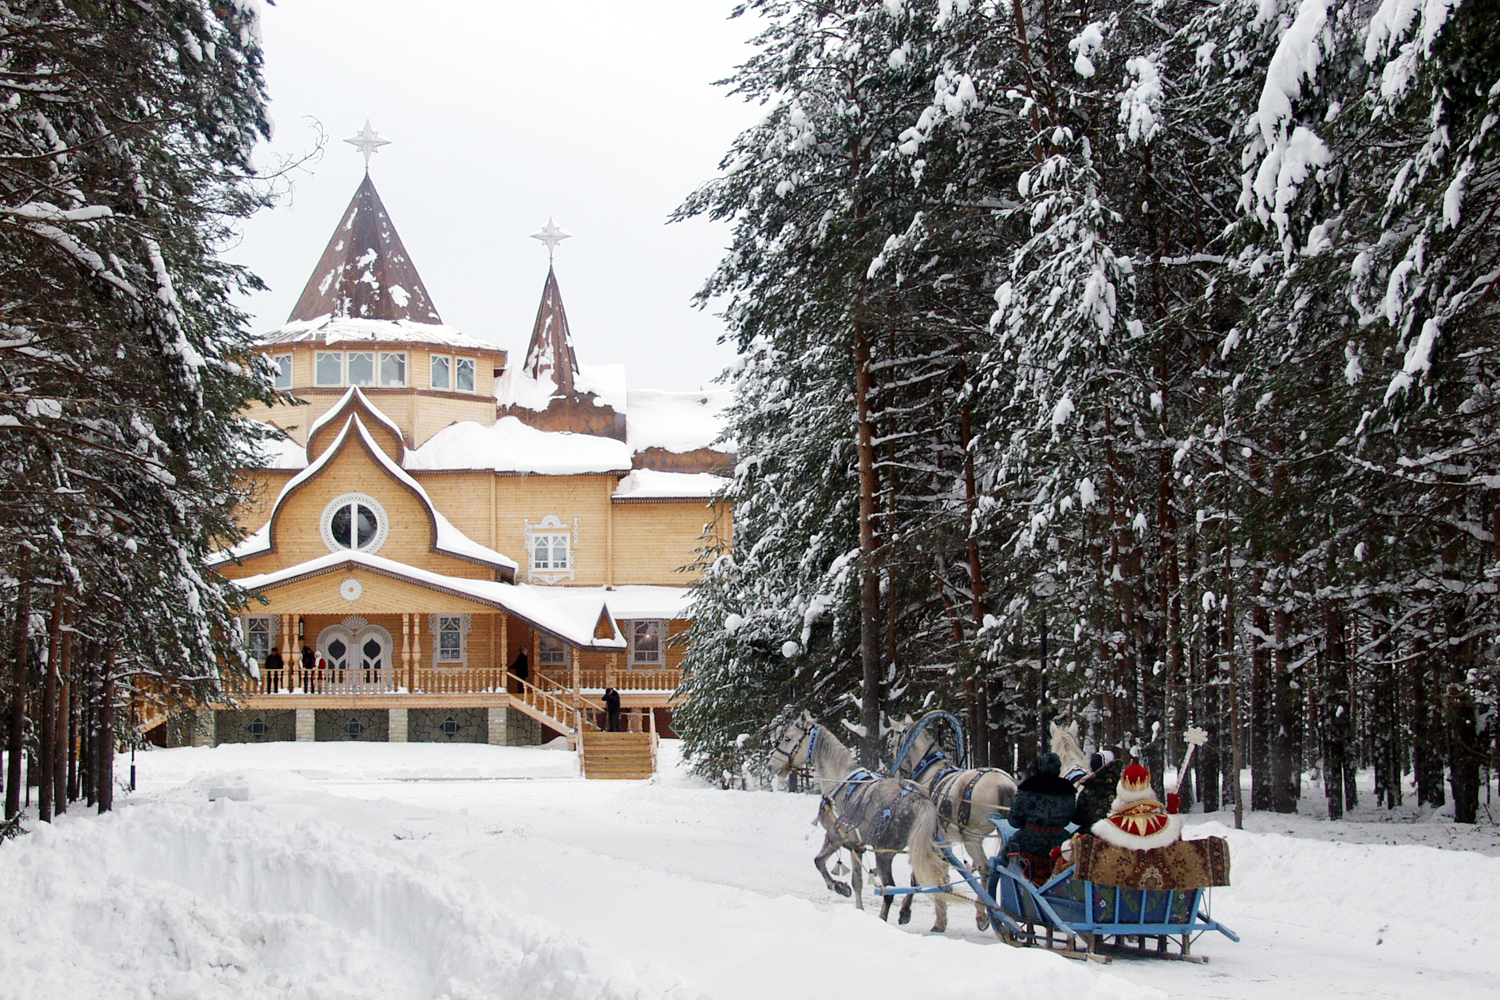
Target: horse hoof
column 904, row 917
column 842, row 889
column 983, row 921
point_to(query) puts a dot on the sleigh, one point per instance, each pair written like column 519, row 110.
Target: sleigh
column 1111, row 901
column 1085, row 911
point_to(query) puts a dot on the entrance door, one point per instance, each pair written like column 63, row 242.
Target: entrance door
column 374, row 661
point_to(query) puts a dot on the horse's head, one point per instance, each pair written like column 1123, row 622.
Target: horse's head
column 1065, row 744
column 792, row 748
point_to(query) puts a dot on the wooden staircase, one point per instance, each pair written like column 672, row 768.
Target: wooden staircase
column 618, row 755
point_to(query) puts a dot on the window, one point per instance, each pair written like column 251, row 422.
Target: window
column 330, row 368
column 354, row 521
column 361, row 367
column 392, row 368
column 282, row 363
column 551, row 652
column 465, row 371
column 258, row 641
column 441, row 372
column 549, row 551
column 645, row 643
column 450, row 639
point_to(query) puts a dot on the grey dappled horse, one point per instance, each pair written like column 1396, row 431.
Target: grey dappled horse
column 964, row 797
column 860, row 810
column 1065, row 744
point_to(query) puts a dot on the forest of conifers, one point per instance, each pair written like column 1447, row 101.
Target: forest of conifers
column 1129, row 362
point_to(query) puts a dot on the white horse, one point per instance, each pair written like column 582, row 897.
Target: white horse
column 861, row 809
column 1075, row 763
column 964, row 797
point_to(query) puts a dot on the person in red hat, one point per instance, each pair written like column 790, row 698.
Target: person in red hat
column 1137, row 819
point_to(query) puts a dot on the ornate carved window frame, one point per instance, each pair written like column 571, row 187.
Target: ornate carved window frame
column 551, row 525
column 382, row 522
column 434, row 629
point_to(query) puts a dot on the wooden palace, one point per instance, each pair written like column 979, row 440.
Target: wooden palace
column 436, row 516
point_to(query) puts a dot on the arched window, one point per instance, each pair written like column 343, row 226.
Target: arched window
column 354, row 521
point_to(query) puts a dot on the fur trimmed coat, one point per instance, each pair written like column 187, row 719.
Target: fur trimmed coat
column 1044, row 800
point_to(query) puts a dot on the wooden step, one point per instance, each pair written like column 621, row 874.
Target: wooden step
column 619, row 756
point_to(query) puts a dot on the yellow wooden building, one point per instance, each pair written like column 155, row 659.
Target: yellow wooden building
column 434, row 511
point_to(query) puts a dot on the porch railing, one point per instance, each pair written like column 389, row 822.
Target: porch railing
column 471, row 680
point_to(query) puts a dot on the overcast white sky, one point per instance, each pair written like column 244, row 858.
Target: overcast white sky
column 501, row 113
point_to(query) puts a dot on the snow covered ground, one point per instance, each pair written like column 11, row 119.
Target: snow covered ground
column 411, row 871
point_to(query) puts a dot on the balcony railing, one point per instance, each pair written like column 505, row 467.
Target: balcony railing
column 426, row 680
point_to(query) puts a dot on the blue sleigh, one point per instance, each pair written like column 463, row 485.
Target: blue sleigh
column 1164, row 900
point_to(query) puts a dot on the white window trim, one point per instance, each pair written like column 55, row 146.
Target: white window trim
column 374, row 356
column 660, row 662
column 474, row 363
column 276, row 360
column 465, row 623
column 380, row 369
column 549, row 525
column 318, row 369
column 382, row 522
column 431, row 361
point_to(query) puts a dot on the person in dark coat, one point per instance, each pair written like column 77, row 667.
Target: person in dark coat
column 1098, row 789
column 519, row 669
column 612, row 706
column 309, row 664
column 1043, row 806
column 274, row 666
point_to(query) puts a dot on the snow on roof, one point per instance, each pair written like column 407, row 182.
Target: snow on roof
column 333, row 411
column 676, row 421
column 333, row 330
column 648, row 484
column 606, row 382
column 283, row 453
column 568, row 613
column 450, row 539
column 647, row 602
column 510, row 446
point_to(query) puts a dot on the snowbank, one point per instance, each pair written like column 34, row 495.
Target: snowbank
column 675, row 421
column 648, row 484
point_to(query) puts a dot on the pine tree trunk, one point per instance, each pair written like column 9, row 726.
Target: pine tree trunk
column 46, row 748
column 1285, row 778
column 105, row 759
column 869, row 591
column 16, row 749
column 1335, row 729
column 1261, row 737
column 62, row 731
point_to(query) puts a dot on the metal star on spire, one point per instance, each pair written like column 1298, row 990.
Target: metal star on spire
column 551, row 235
column 367, row 141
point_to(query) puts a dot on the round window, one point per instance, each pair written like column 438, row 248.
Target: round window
column 354, row 521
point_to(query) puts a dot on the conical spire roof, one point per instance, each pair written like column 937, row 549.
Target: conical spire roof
column 550, row 353
column 365, row 272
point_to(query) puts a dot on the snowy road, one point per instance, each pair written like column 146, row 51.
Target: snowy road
column 363, row 875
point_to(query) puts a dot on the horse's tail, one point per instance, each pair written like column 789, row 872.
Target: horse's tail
column 928, row 866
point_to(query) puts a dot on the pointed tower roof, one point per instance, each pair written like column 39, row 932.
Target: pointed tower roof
column 365, row 272
column 549, row 356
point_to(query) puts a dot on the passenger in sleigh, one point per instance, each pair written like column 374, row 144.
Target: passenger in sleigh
column 1040, row 812
column 1137, row 820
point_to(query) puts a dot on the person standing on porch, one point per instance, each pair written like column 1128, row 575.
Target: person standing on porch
column 612, row 706
column 307, row 667
column 519, row 669
column 272, row 674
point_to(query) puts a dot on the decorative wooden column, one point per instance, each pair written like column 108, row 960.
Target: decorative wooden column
column 416, row 649
column 406, row 651
column 609, row 669
column 577, row 681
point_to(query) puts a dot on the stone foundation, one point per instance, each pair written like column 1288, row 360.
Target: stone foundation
column 265, row 726
column 448, row 725
column 367, row 725
column 521, row 730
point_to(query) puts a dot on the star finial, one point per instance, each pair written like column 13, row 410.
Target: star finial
column 367, row 141
column 551, row 235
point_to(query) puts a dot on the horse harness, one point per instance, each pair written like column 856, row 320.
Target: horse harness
column 954, row 791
